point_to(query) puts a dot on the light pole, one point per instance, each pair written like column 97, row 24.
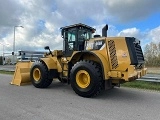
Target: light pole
column 14, row 41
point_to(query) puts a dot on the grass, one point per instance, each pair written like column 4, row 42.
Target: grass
column 143, row 85
column 6, row 72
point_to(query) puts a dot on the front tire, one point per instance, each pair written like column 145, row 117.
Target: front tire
column 86, row 78
column 39, row 75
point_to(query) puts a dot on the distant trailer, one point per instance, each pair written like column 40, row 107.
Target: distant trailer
column 29, row 55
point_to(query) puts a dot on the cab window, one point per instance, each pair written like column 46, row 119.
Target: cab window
column 71, row 39
column 84, row 35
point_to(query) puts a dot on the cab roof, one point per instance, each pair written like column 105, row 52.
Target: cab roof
column 78, row 25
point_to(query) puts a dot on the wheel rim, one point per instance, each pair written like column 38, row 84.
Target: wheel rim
column 83, row 79
column 36, row 74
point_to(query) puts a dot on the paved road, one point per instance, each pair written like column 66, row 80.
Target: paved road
column 7, row 67
column 59, row 102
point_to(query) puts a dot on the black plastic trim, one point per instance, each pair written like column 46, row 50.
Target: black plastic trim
column 135, row 51
column 52, row 73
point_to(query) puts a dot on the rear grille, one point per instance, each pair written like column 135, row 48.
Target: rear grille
column 135, row 51
column 113, row 56
column 139, row 53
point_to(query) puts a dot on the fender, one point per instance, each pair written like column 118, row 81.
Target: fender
column 50, row 63
column 104, row 64
column 95, row 56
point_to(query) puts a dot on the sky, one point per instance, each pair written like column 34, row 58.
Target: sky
column 42, row 20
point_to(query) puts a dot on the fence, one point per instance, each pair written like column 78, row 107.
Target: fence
column 150, row 79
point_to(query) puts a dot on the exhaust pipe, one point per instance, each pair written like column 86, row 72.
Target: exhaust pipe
column 104, row 30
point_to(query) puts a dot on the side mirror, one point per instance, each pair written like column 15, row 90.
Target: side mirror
column 46, row 47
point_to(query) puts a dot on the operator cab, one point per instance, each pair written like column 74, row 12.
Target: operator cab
column 74, row 37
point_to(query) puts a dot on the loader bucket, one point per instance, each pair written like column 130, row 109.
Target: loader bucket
column 22, row 73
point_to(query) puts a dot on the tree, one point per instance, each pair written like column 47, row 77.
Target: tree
column 152, row 54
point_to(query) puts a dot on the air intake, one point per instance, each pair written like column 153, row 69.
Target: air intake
column 104, row 31
column 139, row 53
column 113, row 55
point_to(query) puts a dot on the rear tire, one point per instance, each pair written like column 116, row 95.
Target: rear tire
column 86, row 78
column 39, row 75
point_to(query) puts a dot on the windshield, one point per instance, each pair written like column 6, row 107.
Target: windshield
column 84, row 35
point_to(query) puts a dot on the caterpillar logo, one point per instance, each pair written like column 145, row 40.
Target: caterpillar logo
column 124, row 55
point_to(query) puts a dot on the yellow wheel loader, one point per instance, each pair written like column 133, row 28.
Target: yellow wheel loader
column 89, row 63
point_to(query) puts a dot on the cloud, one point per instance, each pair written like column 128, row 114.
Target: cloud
column 42, row 20
column 112, row 30
column 151, row 35
column 129, row 32
column 9, row 12
column 154, row 35
column 41, row 25
column 147, row 36
column 131, row 10
column 80, row 10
